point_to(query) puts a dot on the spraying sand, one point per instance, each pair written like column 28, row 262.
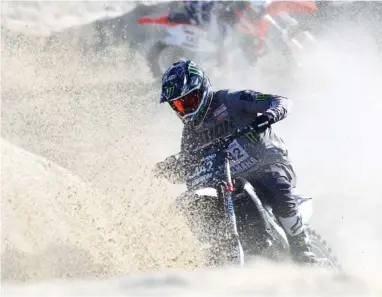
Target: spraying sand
column 79, row 138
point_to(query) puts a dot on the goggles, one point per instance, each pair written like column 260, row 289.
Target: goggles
column 187, row 104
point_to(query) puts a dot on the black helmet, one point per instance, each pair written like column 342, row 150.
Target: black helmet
column 188, row 90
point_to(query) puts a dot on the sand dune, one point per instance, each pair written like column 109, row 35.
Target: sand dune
column 80, row 135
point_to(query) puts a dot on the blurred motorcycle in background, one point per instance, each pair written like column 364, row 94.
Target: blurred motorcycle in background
column 276, row 34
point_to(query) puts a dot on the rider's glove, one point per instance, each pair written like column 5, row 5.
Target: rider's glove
column 263, row 122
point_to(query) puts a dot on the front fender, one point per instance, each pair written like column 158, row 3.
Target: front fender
column 188, row 198
column 210, row 192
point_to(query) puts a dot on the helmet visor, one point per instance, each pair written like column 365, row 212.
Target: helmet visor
column 187, row 104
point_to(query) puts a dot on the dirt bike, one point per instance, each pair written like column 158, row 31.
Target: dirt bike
column 277, row 31
column 181, row 39
column 213, row 197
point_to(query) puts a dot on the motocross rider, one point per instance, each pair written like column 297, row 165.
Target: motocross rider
column 208, row 16
column 196, row 12
column 260, row 157
column 218, row 17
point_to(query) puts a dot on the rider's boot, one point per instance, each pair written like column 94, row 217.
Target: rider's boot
column 300, row 247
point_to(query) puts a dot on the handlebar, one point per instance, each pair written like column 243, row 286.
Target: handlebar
column 224, row 142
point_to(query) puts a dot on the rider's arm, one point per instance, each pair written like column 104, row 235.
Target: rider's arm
column 256, row 102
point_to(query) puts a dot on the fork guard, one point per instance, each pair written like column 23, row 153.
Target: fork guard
column 242, row 185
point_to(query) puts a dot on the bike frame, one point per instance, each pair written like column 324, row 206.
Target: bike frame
column 259, row 28
column 222, row 189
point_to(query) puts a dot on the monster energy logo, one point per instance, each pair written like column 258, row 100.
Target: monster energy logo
column 263, row 97
column 170, row 91
column 193, row 69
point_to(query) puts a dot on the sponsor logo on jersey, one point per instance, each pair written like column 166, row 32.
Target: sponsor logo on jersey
column 222, row 108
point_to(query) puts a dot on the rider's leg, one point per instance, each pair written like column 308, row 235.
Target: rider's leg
column 179, row 17
column 277, row 182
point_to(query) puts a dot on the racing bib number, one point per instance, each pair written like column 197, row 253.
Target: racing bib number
column 202, row 169
column 206, row 166
column 203, row 172
column 236, row 153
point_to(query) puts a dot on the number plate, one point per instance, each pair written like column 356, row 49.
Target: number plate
column 204, row 172
column 236, row 153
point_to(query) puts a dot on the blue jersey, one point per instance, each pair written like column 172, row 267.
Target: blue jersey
column 230, row 110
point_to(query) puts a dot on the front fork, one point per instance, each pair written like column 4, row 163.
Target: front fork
column 289, row 33
column 236, row 255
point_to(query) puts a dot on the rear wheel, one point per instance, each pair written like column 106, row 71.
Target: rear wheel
column 323, row 252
